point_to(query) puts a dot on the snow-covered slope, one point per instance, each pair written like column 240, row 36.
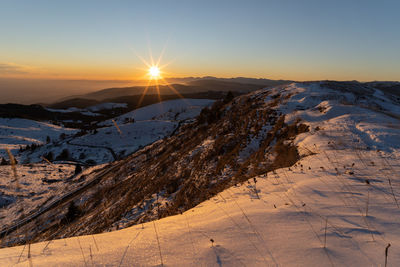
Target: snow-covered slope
column 21, row 132
column 34, row 186
column 143, row 126
column 337, row 206
column 284, row 225
column 136, row 129
column 178, row 109
column 362, row 114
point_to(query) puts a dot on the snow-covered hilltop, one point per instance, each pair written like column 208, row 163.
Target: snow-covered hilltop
column 361, row 112
column 300, row 175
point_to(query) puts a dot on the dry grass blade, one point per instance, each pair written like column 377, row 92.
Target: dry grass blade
column 386, row 253
column 394, row 196
column 126, row 249
column 13, row 167
column 83, row 255
column 190, row 235
column 366, row 208
column 158, row 243
column 29, row 255
column 94, row 240
column 48, row 161
column 20, row 255
column 326, row 226
column 116, row 126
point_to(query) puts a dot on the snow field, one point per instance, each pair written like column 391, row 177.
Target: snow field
column 151, row 123
column 284, row 225
column 21, row 132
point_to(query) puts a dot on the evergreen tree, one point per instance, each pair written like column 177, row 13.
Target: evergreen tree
column 3, row 161
column 78, row 169
column 228, row 98
column 49, row 156
column 64, row 155
column 72, row 213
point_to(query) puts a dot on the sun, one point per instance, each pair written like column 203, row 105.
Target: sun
column 155, row 77
column 154, row 72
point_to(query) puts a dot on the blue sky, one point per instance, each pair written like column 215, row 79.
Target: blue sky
column 301, row 40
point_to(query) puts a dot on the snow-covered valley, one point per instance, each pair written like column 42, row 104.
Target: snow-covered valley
column 337, row 205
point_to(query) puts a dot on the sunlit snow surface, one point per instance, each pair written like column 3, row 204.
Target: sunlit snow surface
column 311, row 214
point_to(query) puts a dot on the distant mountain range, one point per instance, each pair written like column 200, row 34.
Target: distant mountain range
column 46, row 92
column 183, row 86
column 206, row 87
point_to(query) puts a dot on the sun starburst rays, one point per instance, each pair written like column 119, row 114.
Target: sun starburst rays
column 155, row 76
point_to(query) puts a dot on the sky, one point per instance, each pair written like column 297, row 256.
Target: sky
column 282, row 39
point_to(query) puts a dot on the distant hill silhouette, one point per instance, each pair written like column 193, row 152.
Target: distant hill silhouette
column 187, row 86
column 133, row 100
column 74, row 102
